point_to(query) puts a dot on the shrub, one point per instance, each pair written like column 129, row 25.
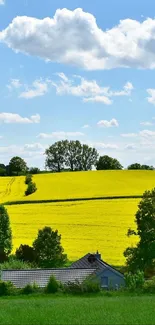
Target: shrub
column 30, row 288
column 52, row 285
column 149, row 286
column 28, row 178
column 91, row 284
column 73, row 287
column 14, row 264
column 31, row 188
column 6, row 288
column 25, row 253
column 134, row 281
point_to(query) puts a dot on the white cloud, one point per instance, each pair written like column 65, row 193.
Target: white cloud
column 146, row 123
column 39, row 88
column 89, row 90
column 98, row 99
column 108, row 124
column 60, row 135
column 147, row 133
column 34, row 147
column 129, row 135
column 73, row 37
column 102, row 145
column 16, row 118
column 2, row 2
column 151, row 99
column 14, row 84
column 130, row 146
column 86, row 126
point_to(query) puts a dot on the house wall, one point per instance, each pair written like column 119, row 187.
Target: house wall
column 110, row 279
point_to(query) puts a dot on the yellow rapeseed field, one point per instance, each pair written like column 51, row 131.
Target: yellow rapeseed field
column 84, row 226
column 92, row 184
column 12, row 188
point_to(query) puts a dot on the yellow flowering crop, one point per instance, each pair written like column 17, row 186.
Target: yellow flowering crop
column 84, row 226
column 92, row 184
column 12, row 188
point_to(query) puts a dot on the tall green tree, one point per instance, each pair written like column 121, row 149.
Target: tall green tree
column 56, row 156
column 17, row 165
column 142, row 256
column 5, row 232
column 139, row 166
column 48, row 249
column 108, row 163
column 88, row 158
column 70, row 155
column 74, row 152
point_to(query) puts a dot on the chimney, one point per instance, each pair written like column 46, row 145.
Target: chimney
column 98, row 255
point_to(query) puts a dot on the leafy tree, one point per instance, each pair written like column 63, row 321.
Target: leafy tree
column 17, row 165
column 2, row 172
column 73, row 155
column 142, row 257
column 5, row 233
column 31, row 188
column 34, row 170
column 48, row 249
column 70, row 154
column 88, row 158
column 25, row 253
column 56, row 156
column 139, row 166
column 108, row 163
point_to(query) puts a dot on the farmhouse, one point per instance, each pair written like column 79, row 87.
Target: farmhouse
column 90, row 264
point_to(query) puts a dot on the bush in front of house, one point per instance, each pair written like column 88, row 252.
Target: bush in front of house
column 52, row 286
column 91, row 285
column 31, row 188
column 28, row 179
column 149, row 286
column 30, row 289
column 73, row 287
column 134, row 281
column 6, row 288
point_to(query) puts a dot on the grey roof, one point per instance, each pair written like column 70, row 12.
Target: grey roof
column 98, row 264
column 20, row 278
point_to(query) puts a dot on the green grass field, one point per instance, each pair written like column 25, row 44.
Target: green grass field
column 45, row 310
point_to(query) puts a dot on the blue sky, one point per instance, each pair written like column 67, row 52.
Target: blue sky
column 74, row 73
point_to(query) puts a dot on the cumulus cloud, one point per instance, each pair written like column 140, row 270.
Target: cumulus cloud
column 34, row 147
column 14, row 84
column 73, row 37
column 89, row 90
column 147, row 133
column 102, row 145
column 130, row 146
column 129, row 135
column 108, row 124
column 2, row 2
column 146, row 123
column 39, row 88
column 9, row 118
column 151, row 93
column 60, row 135
column 86, row 126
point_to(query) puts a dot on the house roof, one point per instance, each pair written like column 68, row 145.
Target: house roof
column 98, row 264
column 20, row 278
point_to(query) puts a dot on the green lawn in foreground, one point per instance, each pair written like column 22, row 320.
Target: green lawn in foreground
column 78, row 310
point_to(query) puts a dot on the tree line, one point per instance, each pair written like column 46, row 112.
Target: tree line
column 68, row 156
